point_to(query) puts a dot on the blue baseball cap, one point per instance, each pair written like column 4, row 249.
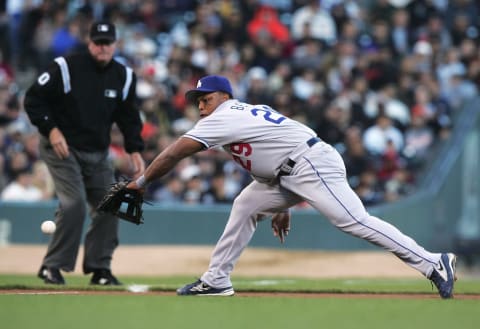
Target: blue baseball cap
column 209, row 84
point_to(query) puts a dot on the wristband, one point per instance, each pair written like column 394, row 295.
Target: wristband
column 141, row 181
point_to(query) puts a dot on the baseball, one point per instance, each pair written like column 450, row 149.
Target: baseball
column 48, row 227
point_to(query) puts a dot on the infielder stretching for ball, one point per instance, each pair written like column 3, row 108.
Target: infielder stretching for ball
column 289, row 164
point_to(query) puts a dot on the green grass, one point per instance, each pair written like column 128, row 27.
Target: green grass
column 415, row 286
column 104, row 311
column 160, row 311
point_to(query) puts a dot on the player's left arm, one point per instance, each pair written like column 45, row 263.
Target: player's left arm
column 168, row 158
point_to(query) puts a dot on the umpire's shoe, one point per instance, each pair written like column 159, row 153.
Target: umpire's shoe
column 200, row 288
column 51, row 275
column 443, row 275
column 104, row 277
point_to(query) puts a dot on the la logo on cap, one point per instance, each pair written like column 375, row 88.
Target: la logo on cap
column 199, row 83
column 102, row 28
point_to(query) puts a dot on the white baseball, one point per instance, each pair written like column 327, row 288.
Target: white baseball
column 48, row 227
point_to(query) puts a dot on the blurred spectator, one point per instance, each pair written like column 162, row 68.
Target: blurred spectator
column 332, row 124
column 22, row 187
column 313, row 21
column 233, row 26
column 383, row 133
column 401, row 35
column 356, row 158
column 6, row 70
column 269, row 36
column 419, row 11
column 460, row 89
column 464, row 26
column 22, row 19
column 436, row 31
column 42, row 179
column 265, row 26
column 66, row 37
column 385, row 101
column 306, row 84
column 419, row 137
column 389, row 163
column 449, row 65
column 207, row 23
column 170, row 192
column 138, row 43
column 8, row 103
column 368, row 188
column 116, row 152
column 256, row 86
column 399, row 185
column 379, row 69
column 423, row 106
column 423, row 56
column 216, row 193
column 381, row 9
column 307, row 54
column 279, row 77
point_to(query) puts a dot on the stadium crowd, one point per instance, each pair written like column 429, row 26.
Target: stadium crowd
column 380, row 80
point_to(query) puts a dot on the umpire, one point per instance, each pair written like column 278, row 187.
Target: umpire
column 74, row 105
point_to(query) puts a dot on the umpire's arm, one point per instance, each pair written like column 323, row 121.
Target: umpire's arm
column 127, row 117
column 44, row 95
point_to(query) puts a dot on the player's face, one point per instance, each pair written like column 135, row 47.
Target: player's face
column 102, row 51
column 209, row 102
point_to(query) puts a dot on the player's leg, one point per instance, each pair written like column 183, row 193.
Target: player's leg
column 321, row 180
column 253, row 202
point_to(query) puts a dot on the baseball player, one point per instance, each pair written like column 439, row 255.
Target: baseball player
column 289, row 164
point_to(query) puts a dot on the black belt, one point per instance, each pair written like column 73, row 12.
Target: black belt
column 288, row 165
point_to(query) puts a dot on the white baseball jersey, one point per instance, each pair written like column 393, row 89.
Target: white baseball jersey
column 258, row 137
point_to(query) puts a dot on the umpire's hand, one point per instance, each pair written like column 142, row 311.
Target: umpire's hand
column 281, row 225
column 58, row 142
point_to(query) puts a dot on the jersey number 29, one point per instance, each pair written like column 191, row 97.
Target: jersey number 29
column 242, row 149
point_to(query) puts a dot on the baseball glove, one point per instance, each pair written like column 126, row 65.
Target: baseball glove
column 118, row 195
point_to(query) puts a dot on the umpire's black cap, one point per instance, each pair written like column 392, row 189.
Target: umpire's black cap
column 103, row 31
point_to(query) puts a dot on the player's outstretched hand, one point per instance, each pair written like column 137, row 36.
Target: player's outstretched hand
column 281, row 225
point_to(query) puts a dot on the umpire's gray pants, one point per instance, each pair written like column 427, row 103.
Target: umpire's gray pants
column 81, row 180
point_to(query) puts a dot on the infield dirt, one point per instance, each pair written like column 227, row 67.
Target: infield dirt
column 193, row 260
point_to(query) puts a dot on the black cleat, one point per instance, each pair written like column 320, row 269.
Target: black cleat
column 51, row 275
column 199, row 288
column 443, row 275
column 104, row 277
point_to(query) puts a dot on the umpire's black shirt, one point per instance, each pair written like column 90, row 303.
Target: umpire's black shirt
column 83, row 99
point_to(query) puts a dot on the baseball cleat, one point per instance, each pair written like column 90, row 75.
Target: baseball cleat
column 51, row 275
column 443, row 275
column 199, row 288
column 104, row 277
